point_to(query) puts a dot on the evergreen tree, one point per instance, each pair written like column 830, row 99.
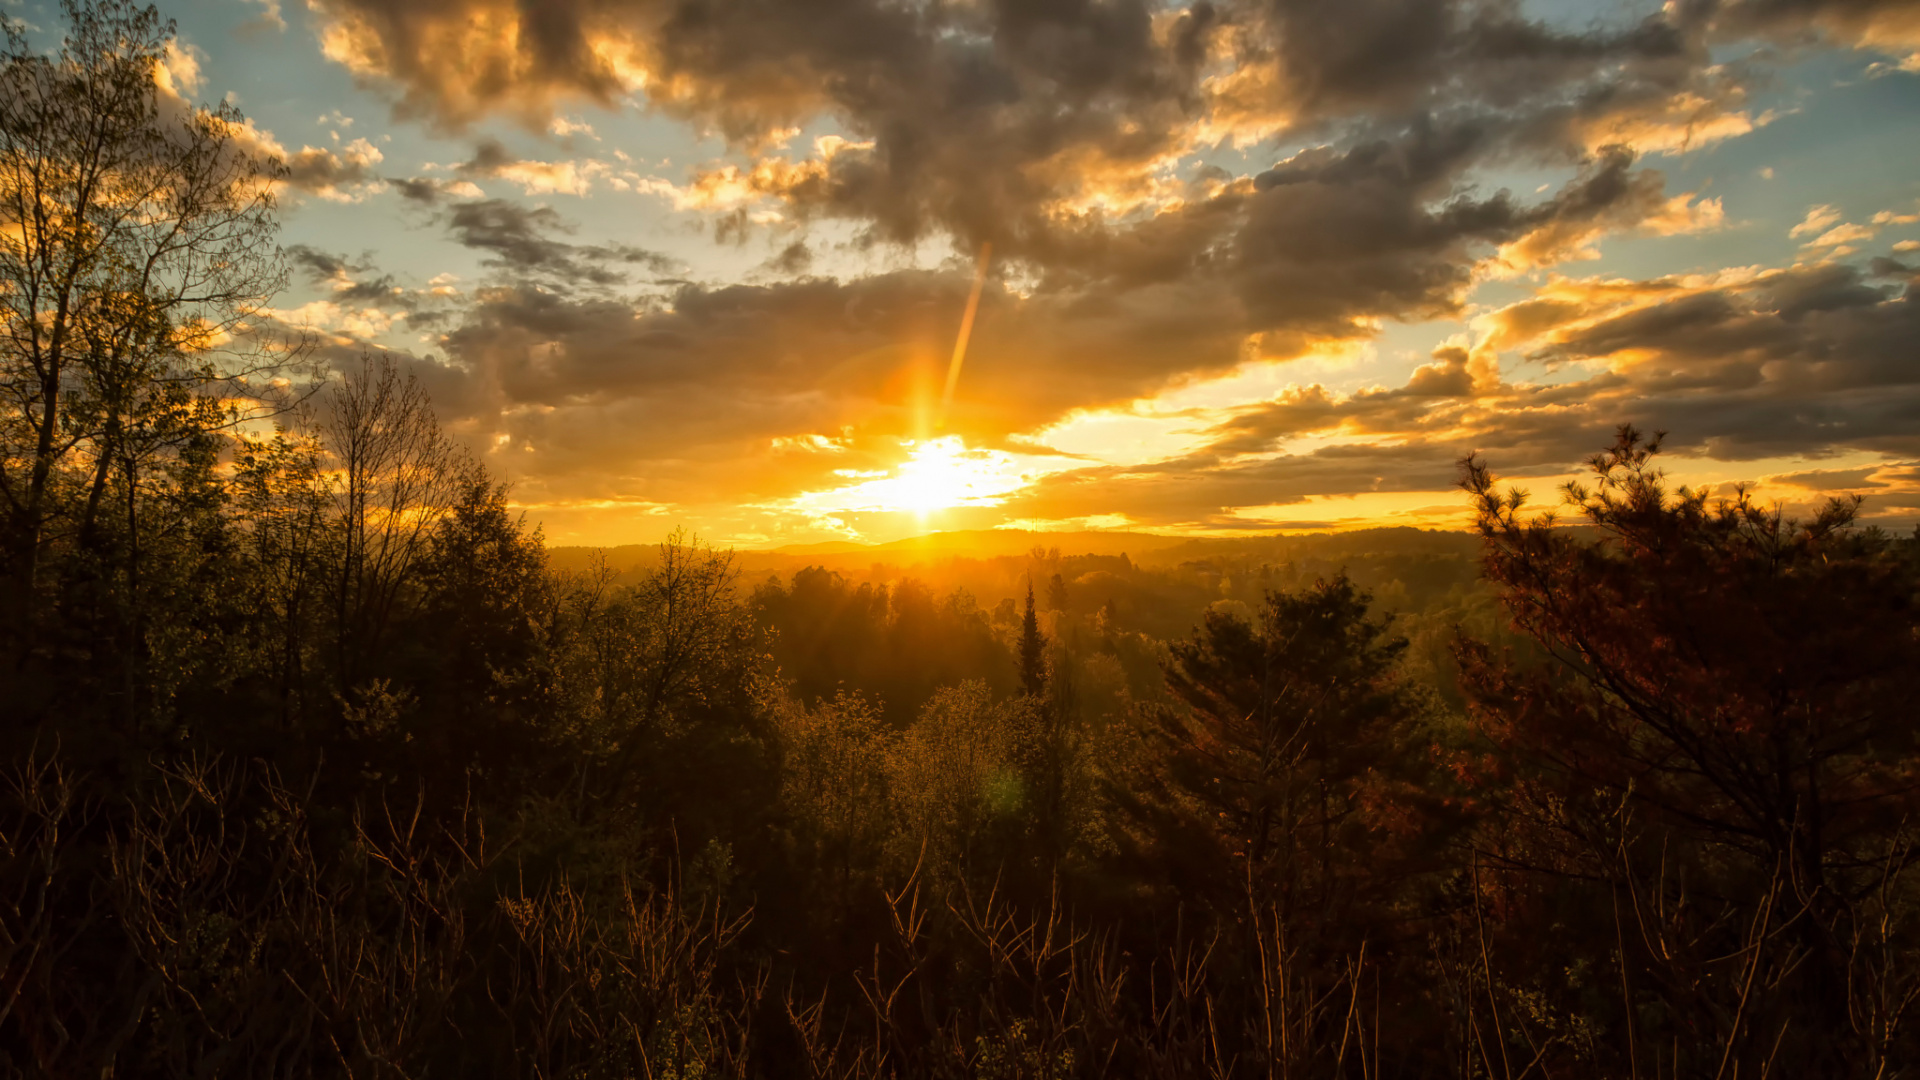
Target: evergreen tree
column 1056, row 593
column 1292, row 765
column 1033, row 651
column 1730, row 701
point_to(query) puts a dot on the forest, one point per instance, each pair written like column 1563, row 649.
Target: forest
column 317, row 762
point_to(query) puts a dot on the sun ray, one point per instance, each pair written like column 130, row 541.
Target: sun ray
column 966, row 331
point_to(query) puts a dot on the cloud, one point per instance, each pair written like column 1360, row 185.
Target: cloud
column 1456, row 371
column 520, row 58
column 521, row 240
column 1039, row 126
column 323, row 267
column 269, row 20
column 1323, row 247
column 1335, row 241
column 350, row 282
column 877, row 346
column 343, row 176
column 1830, row 479
column 428, row 190
column 1818, row 219
column 1891, row 27
column 1131, row 259
column 757, row 395
column 795, row 258
column 177, row 74
column 491, row 159
column 1607, row 198
column 1838, row 236
column 1799, row 362
column 708, row 393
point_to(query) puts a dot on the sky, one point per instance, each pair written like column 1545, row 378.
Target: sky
column 1242, row 265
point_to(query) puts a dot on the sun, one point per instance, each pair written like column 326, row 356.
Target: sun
column 939, row 474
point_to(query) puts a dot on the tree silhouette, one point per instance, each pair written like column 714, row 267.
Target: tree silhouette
column 1033, row 651
column 139, row 248
column 1279, row 769
column 1732, row 691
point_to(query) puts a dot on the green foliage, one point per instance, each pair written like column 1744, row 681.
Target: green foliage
column 955, row 779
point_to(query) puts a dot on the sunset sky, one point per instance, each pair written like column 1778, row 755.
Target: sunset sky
column 1253, row 265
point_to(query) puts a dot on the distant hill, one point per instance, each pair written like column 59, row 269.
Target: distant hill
column 829, row 547
column 1144, row 549
column 994, row 543
column 1359, row 543
column 629, row 560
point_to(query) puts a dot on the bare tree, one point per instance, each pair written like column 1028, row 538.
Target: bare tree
column 398, row 476
column 136, row 251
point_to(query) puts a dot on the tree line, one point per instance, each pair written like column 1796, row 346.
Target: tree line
column 312, row 766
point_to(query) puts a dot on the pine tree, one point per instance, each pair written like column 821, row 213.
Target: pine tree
column 1292, row 765
column 1730, row 700
column 1033, row 651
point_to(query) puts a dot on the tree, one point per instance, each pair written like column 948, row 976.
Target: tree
column 956, row 782
column 1033, row 651
column 473, row 650
column 137, row 249
column 1730, row 703
column 287, row 539
column 667, row 681
column 399, row 476
column 1056, row 593
column 1284, row 766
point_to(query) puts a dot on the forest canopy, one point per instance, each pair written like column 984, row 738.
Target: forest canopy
column 317, row 761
